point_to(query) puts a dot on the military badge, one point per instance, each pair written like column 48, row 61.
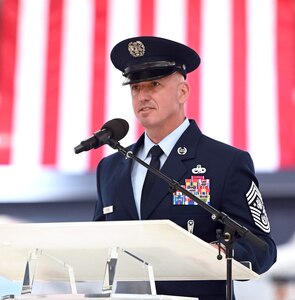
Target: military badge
column 257, row 208
column 198, row 186
column 136, row 49
column 199, row 170
column 181, row 150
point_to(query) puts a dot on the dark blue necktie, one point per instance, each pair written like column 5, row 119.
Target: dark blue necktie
column 156, row 153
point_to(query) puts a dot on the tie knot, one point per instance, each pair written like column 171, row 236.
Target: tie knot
column 156, row 151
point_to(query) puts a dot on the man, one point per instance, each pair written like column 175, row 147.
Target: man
column 221, row 175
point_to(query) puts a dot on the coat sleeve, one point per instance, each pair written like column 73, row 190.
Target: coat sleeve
column 242, row 201
column 98, row 212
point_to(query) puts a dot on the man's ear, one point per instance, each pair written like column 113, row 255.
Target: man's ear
column 183, row 90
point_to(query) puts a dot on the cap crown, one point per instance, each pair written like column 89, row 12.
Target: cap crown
column 147, row 57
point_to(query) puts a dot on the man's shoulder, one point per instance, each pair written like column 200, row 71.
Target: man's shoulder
column 208, row 143
column 219, row 145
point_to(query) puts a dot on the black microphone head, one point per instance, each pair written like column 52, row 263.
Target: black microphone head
column 118, row 127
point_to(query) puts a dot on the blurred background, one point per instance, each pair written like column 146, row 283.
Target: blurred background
column 57, row 86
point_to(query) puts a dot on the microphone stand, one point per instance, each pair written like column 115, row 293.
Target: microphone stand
column 232, row 229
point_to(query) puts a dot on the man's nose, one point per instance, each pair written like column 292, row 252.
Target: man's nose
column 143, row 93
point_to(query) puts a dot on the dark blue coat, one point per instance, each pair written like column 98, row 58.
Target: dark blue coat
column 231, row 174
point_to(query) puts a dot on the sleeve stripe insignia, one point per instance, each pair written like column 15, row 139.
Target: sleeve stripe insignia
column 257, row 208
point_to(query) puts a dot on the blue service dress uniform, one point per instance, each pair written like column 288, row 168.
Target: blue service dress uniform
column 232, row 187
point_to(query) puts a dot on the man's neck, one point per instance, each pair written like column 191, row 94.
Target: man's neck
column 156, row 135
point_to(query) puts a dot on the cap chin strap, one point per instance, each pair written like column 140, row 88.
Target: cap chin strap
column 144, row 78
column 151, row 70
column 150, row 66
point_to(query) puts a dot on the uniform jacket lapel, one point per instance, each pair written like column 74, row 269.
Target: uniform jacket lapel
column 174, row 167
column 124, row 184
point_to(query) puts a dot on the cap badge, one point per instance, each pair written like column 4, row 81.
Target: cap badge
column 136, row 49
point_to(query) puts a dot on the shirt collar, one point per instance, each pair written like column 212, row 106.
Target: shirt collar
column 168, row 142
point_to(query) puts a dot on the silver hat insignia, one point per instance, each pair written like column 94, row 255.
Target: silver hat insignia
column 136, row 49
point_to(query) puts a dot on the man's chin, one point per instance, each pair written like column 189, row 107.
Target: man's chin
column 145, row 119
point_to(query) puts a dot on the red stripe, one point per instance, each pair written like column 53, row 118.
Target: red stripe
column 147, row 23
column 146, row 28
column 193, row 40
column 52, row 80
column 8, row 50
column 286, row 80
column 100, row 57
column 239, row 113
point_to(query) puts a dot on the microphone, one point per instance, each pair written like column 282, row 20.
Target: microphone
column 114, row 129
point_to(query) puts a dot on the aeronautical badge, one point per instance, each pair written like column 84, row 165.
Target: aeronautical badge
column 198, row 170
column 136, row 49
column 198, row 186
column 257, row 208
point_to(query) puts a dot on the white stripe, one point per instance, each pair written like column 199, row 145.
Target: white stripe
column 170, row 23
column 118, row 98
column 252, row 196
column 75, row 83
column 251, row 189
column 262, row 88
column 216, row 70
column 29, row 83
column 255, row 211
column 262, row 226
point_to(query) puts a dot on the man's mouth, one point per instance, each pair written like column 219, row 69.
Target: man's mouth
column 146, row 108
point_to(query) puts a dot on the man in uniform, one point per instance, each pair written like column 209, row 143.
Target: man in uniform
column 155, row 70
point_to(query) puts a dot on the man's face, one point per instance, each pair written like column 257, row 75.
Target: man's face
column 160, row 103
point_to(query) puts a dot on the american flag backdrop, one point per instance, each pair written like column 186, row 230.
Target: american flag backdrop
column 58, row 86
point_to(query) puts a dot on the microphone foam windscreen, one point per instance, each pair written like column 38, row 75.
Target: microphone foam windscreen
column 118, row 127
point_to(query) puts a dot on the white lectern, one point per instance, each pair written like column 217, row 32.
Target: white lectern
column 121, row 251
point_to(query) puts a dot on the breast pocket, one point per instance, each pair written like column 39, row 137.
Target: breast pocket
column 188, row 210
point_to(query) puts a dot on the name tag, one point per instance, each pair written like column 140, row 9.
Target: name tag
column 108, row 210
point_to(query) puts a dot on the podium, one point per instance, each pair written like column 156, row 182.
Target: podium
column 123, row 251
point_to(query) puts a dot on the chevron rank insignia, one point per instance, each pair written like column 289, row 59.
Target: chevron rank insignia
column 257, row 208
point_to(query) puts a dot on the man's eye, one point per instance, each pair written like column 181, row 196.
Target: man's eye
column 134, row 87
column 155, row 83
